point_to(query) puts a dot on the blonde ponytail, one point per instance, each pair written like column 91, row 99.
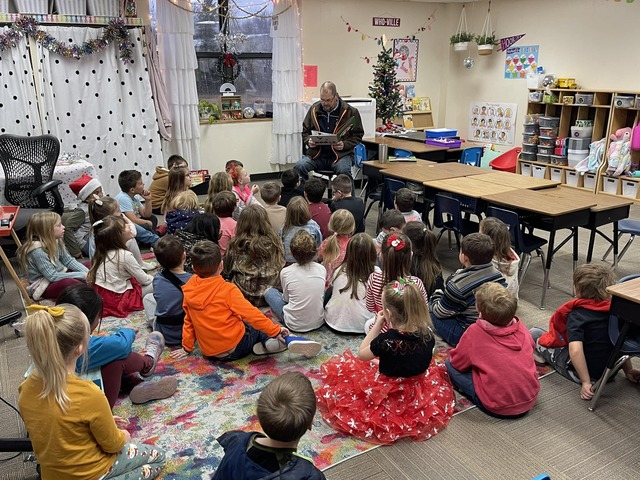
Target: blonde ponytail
column 407, row 306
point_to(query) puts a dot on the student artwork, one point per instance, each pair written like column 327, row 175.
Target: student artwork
column 492, row 122
column 405, row 53
column 520, row 61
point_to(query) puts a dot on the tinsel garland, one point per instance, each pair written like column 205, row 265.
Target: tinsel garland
column 114, row 32
column 229, row 67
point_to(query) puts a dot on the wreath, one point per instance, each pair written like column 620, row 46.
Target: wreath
column 229, row 67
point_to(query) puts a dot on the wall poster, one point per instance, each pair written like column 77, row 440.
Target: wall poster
column 492, row 122
column 519, row 61
column 405, row 53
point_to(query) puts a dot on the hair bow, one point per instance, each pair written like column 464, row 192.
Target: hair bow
column 396, row 242
column 399, row 285
column 53, row 311
column 96, row 200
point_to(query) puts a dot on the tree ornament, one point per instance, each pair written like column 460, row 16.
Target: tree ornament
column 468, row 62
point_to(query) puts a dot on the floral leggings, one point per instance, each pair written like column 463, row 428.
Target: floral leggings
column 135, row 461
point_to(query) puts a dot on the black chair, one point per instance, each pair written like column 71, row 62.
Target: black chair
column 447, row 215
column 523, row 243
column 28, row 164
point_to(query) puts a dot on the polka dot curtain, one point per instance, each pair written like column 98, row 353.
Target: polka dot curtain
column 101, row 107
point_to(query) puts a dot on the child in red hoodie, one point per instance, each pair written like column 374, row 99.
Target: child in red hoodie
column 493, row 363
column 577, row 343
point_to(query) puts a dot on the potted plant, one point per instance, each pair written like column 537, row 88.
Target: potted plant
column 486, row 43
column 208, row 111
column 460, row 41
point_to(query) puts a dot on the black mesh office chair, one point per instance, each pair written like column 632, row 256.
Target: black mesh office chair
column 28, row 164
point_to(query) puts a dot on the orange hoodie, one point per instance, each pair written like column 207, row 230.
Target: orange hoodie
column 214, row 312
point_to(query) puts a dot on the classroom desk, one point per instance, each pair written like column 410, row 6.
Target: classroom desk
column 548, row 213
column 625, row 304
column 419, row 149
column 379, row 166
column 434, row 171
column 517, row 181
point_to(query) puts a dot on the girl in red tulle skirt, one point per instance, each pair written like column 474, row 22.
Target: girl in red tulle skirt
column 392, row 389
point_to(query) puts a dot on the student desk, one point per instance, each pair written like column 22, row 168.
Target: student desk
column 549, row 213
column 5, row 232
column 419, row 149
column 434, row 171
column 518, row 181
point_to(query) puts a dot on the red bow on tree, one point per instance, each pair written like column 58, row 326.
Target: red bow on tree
column 228, row 60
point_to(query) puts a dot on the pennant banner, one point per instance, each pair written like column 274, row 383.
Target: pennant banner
column 508, row 41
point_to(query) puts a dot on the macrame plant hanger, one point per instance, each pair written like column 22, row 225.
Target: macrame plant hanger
column 486, row 48
column 462, row 45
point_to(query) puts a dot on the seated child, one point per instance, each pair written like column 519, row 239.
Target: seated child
column 286, row 408
column 224, row 204
column 298, row 218
column 132, row 187
column 204, row 226
column 403, row 394
column 160, row 181
column 320, row 213
column 182, row 210
column 167, row 290
column 76, row 222
column 50, row 268
column 225, row 325
column 255, row 256
column 114, row 273
column 505, row 258
column 454, row 309
column 290, row 186
column 342, row 198
column 346, row 311
column 71, row 427
column 119, row 366
column 424, row 262
column 390, row 221
column 300, row 306
column 179, row 182
column 404, row 201
column 577, row 343
column 333, row 249
column 270, row 193
column 245, row 194
column 220, row 182
column 493, row 363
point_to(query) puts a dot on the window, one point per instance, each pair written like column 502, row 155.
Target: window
column 232, row 17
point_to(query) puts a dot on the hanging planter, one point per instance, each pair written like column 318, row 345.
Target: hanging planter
column 487, row 38
column 460, row 40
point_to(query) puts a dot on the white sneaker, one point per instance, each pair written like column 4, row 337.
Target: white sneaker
column 148, row 266
column 271, row 345
column 153, row 348
column 303, row 346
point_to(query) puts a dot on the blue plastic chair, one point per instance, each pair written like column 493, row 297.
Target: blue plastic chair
column 632, row 227
column 359, row 156
column 472, row 156
column 447, row 215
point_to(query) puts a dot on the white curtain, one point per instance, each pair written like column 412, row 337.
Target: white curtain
column 101, row 107
column 286, row 79
column 18, row 106
column 178, row 62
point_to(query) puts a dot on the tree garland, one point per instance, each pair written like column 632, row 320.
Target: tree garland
column 115, row 31
column 229, row 67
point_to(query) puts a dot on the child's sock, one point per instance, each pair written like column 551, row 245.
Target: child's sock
column 303, row 346
column 153, row 347
column 271, row 345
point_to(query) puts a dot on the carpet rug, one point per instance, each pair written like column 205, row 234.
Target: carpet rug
column 213, row 398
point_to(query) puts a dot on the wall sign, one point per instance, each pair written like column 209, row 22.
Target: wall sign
column 386, row 22
column 491, row 122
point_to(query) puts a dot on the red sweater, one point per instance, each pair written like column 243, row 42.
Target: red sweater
column 557, row 334
column 502, row 366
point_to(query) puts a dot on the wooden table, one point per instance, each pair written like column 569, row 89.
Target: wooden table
column 8, row 231
column 380, row 165
column 433, row 171
column 517, row 181
column 422, row 150
column 625, row 304
column 549, row 213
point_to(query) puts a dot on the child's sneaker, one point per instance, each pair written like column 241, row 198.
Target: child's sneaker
column 147, row 391
column 271, row 345
column 153, row 347
column 149, row 266
column 303, row 346
column 537, row 358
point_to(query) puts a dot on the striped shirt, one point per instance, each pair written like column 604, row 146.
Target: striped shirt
column 374, row 290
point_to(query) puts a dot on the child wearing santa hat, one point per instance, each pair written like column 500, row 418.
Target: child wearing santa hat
column 76, row 221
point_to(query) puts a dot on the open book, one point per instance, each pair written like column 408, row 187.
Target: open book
column 322, row 138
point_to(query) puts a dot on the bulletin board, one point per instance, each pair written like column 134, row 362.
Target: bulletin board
column 492, row 122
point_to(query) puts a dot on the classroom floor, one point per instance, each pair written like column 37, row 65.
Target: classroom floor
column 559, row 437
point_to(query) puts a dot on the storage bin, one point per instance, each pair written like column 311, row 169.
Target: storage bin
column 549, row 122
column 530, row 138
column 576, row 156
column 548, row 132
column 543, row 158
column 584, row 98
column 624, row 101
column 529, row 148
column 532, row 117
column 581, row 132
column 610, row 185
column 589, row 180
column 32, row 6
column 440, row 132
column 545, row 150
column 546, row 98
column 562, row 141
column 568, row 100
column 571, row 178
column 547, row 141
column 525, row 169
column 71, row 7
column 584, row 123
column 531, row 128
column 579, row 143
column 560, row 151
column 535, row 96
column 629, row 188
column 534, row 80
column 539, row 171
column 559, row 160
column 556, row 174
column 104, row 8
column 532, row 157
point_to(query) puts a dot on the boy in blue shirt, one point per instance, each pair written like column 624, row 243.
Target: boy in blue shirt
column 132, row 187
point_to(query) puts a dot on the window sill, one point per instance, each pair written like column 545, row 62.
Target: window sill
column 244, row 120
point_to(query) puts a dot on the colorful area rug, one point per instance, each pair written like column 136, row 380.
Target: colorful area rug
column 213, row 398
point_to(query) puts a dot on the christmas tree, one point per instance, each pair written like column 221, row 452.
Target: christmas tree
column 385, row 88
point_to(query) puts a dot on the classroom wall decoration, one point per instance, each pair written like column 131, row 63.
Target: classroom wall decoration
column 492, row 122
column 519, row 61
column 405, row 53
